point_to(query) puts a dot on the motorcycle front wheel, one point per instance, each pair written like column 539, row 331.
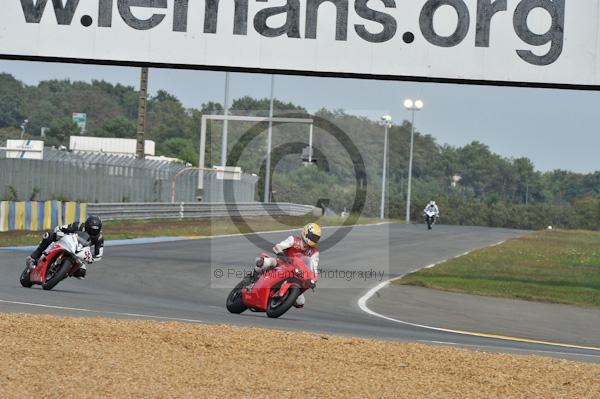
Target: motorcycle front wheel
column 56, row 273
column 235, row 304
column 24, row 279
column 278, row 306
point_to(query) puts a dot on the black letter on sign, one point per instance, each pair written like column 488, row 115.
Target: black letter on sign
column 64, row 14
column 341, row 27
column 211, row 15
column 485, row 11
column 240, row 18
column 387, row 21
column 292, row 22
column 33, row 14
column 141, row 24
column 556, row 9
column 105, row 13
column 426, row 22
column 180, row 16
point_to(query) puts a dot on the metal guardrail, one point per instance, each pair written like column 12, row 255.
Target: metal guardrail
column 191, row 210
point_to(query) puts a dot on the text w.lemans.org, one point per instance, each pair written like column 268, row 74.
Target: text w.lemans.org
column 302, row 20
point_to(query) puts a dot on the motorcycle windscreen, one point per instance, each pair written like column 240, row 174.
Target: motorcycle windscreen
column 69, row 243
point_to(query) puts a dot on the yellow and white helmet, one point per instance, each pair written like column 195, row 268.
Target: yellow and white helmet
column 311, row 234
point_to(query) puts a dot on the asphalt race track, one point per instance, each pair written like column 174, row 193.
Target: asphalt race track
column 177, row 281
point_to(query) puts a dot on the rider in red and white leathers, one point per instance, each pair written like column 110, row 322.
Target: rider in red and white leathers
column 306, row 244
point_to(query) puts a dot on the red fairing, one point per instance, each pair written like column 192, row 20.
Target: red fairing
column 278, row 280
column 38, row 275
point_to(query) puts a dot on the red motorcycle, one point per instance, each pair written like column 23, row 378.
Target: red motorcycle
column 276, row 290
column 61, row 260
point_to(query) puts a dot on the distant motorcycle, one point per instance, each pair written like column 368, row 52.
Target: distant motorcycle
column 274, row 291
column 61, row 260
column 430, row 218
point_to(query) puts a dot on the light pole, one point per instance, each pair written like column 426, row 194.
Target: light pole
column 411, row 105
column 267, row 196
column 23, row 126
column 387, row 123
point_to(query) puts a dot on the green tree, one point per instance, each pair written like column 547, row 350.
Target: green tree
column 179, row 148
column 119, row 127
column 167, row 118
column 11, row 101
column 60, row 130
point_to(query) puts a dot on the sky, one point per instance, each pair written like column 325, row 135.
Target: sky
column 556, row 129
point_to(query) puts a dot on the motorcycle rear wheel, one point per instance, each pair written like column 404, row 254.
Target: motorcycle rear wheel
column 24, row 279
column 59, row 275
column 278, row 306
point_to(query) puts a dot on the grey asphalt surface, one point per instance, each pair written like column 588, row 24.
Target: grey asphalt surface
column 178, row 280
column 531, row 320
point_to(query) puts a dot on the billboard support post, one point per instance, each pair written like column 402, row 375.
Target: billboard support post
column 237, row 118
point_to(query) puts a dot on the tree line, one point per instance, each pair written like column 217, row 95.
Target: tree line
column 471, row 184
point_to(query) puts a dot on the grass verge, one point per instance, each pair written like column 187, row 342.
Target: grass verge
column 548, row 266
column 118, row 230
column 103, row 358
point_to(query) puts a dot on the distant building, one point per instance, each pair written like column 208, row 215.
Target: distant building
column 109, row 145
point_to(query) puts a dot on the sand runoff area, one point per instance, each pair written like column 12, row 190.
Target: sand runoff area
column 60, row 357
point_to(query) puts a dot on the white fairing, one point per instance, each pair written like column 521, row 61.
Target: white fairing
column 430, row 213
column 71, row 244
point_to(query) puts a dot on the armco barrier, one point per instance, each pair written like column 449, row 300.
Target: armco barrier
column 187, row 210
column 33, row 215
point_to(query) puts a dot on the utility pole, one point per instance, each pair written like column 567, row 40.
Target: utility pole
column 143, row 99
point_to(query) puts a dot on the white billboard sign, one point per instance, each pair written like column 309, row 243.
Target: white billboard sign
column 25, row 149
column 545, row 42
column 109, row 145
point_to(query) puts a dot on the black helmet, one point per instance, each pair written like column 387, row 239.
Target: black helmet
column 93, row 225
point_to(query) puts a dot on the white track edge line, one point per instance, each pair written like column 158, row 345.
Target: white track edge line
column 145, row 316
column 362, row 304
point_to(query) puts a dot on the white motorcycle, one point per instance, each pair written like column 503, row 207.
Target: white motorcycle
column 61, row 260
column 430, row 218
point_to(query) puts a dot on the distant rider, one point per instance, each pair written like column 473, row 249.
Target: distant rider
column 92, row 226
column 306, row 244
column 431, row 206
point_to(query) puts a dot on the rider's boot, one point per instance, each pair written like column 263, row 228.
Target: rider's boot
column 33, row 259
column 30, row 262
column 300, row 301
